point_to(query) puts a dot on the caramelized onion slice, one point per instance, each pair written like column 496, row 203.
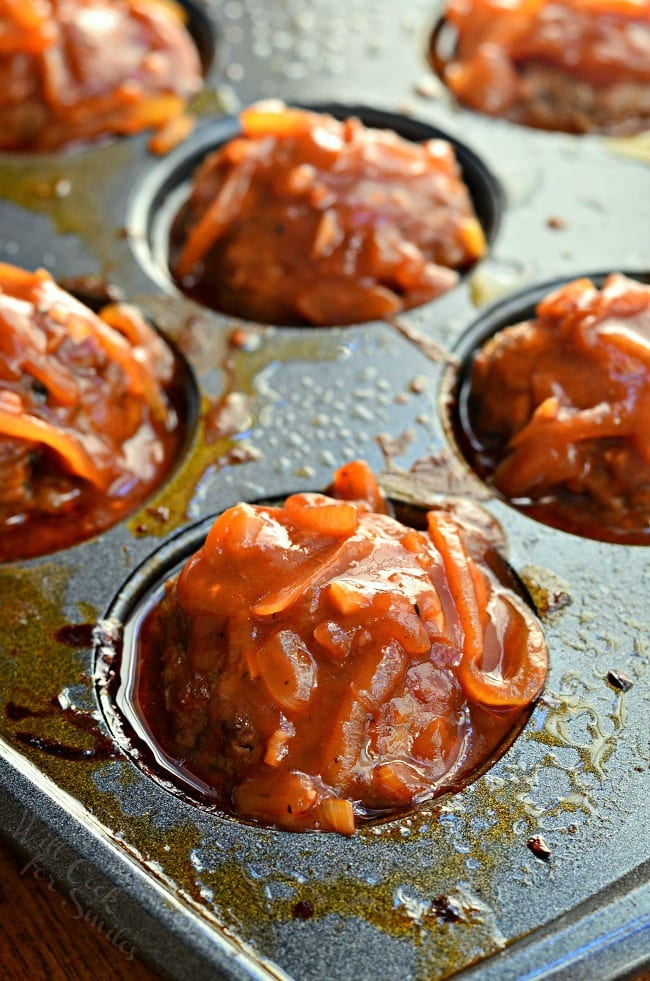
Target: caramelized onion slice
column 519, row 678
column 18, row 424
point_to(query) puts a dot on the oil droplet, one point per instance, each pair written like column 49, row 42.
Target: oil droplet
column 637, row 147
column 494, row 278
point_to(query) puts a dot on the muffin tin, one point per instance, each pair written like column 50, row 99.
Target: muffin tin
column 455, row 887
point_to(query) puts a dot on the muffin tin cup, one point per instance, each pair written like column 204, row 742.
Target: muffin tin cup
column 116, row 673
column 455, row 889
column 182, row 395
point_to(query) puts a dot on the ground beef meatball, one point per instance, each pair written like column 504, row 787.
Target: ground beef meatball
column 553, row 64
column 73, row 70
column 556, row 411
column 87, row 428
column 320, row 663
column 307, row 220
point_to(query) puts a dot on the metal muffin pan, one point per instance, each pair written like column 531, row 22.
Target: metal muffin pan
column 454, row 888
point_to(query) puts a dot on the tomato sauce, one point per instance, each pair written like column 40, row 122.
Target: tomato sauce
column 553, row 64
column 556, row 411
column 307, row 220
column 88, row 426
column 319, row 664
column 74, row 70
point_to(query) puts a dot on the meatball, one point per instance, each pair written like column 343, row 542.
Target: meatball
column 86, row 426
column 556, row 410
column 307, row 220
column 576, row 67
column 318, row 664
column 74, row 70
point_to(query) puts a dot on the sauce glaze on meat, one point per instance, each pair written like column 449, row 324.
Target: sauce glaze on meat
column 307, row 220
column 556, row 411
column 319, row 664
column 73, row 70
column 553, row 64
column 87, row 430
